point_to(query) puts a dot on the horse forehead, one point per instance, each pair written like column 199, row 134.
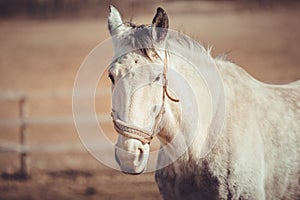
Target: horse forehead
column 128, row 61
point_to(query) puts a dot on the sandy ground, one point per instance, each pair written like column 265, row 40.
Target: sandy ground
column 41, row 57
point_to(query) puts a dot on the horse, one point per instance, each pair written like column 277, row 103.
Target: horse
column 238, row 138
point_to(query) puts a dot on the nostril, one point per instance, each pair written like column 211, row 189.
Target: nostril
column 116, row 158
column 140, row 152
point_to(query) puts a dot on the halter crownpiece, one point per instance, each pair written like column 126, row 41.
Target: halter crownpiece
column 133, row 132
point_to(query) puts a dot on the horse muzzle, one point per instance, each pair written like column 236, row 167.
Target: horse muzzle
column 132, row 157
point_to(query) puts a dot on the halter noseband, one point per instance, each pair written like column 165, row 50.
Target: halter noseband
column 133, row 132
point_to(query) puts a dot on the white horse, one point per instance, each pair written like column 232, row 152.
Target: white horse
column 254, row 155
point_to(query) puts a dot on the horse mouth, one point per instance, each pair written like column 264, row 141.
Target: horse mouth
column 133, row 172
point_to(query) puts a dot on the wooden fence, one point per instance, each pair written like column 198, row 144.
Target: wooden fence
column 24, row 120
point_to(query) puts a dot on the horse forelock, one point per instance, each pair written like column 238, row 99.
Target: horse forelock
column 139, row 37
column 136, row 37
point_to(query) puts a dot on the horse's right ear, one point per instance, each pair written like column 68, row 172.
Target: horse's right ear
column 160, row 25
column 115, row 23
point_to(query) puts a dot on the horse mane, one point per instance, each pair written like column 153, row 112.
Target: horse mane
column 140, row 37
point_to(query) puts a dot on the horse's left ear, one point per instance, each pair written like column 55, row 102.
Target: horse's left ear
column 160, row 25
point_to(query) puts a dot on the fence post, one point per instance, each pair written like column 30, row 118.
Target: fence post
column 24, row 157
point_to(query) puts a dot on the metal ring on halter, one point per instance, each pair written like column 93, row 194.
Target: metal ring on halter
column 133, row 132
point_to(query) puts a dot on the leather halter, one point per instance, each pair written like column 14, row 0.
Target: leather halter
column 133, row 132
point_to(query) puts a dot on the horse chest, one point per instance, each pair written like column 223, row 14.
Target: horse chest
column 180, row 182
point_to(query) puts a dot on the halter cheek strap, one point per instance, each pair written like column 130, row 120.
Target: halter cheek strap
column 133, row 132
column 165, row 81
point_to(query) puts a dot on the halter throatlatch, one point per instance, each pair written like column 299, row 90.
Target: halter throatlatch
column 133, row 132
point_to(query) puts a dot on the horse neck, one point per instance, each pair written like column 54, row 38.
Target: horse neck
column 182, row 133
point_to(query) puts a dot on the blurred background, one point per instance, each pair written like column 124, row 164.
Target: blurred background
column 44, row 42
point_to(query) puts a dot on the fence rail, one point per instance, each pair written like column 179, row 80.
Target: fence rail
column 17, row 95
column 53, row 120
column 13, row 147
column 23, row 122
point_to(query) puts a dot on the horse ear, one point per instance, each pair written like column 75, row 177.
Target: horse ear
column 160, row 25
column 115, row 23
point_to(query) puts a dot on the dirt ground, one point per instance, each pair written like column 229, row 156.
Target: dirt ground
column 43, row 56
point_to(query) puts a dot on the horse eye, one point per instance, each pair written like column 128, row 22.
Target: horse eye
column 111, row 78
column 157, row 79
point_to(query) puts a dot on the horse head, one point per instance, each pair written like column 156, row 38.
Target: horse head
column 139, row 85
